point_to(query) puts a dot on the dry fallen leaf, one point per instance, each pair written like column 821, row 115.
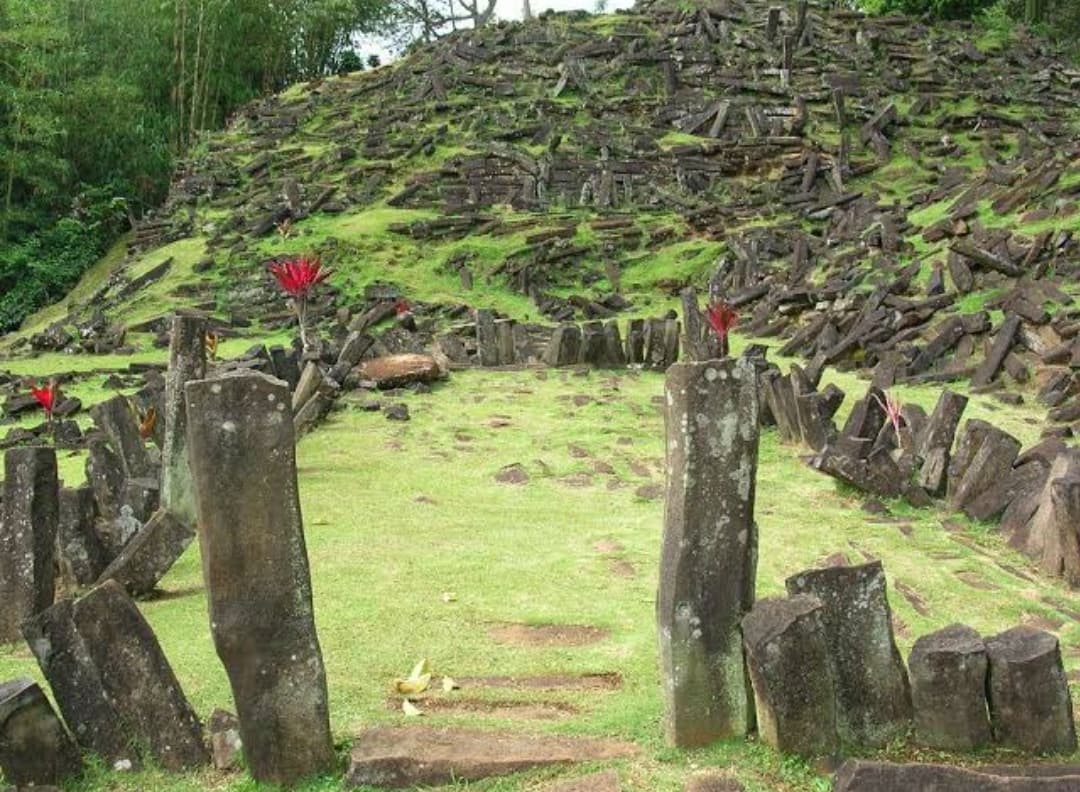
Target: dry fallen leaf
column 448, row 684
column 449, row 596
column 410, row 710
column 417, row 681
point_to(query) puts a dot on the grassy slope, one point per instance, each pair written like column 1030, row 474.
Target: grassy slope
column 381, row 560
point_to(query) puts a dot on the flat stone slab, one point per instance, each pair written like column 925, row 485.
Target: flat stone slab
column 859, row 776
column 594, row 782
column 395, row 371
column 412, row 756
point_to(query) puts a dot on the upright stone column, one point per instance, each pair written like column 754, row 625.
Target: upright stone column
column 187, row 361
column 27, row 537
column 241, row 442
column 709, row 554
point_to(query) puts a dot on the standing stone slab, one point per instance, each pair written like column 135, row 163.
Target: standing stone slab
column 256, row 570
column 504, row 341
column 487, row 345
column 709, row 555
column 116, row 419
column 989, row 454
column 948, row 689
column 1030, row 706
column 564, row 349
column 150, row 554
column 187, row 361
column 35, row 748
column 105, row 475
column 935, row 443
column 76, row 684
column 613, row 353
column 635, row 342
column 788, row 656
column 27, row 536
column 873, row 696
column 81, row 552
column 112, row 681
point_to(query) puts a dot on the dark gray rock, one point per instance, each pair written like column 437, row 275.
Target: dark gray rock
column 1030, row 706
column 487, row 345
column 116, row 418
column 873, row 696
column 113, row 683
column 564, row 349
column 709, row 556
column 30, row 510
column 82, row 554
column 105, row 475
column 150, row 553
column 983, row 462
column 187, row 361
column 948, row 689
column 787, row 654
column 35, row 748
column 258, row 583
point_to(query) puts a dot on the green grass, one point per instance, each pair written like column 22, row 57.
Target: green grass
column 396, row 515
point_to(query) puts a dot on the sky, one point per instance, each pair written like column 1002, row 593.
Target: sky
column 506, row 10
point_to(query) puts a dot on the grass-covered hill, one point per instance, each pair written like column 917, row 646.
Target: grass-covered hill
column 852, row 184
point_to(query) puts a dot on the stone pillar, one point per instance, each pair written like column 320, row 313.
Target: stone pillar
column 709, row 554
column 873, row 694
column 1030, row 706
column 935, row 443
column 27, row 536
column 241, row 441
column 788, row 656
column 112, row 681
column 187, row 361
column 116, row 419
column 35, row 748
column 80, row 546
column 948, row 689
column 487, row 345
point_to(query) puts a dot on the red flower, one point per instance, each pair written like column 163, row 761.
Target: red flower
column 402, row 307
column 722, row 318
column 47, row 396
column 298, row 276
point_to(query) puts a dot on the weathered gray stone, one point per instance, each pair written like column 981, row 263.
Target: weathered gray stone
column 187, row 361
column 863, row 776
column 1030, row 706
column 487, row 345
column 948, row 689
column 709, row 555
column 112, row 681
column 873, row 696
column 312, row 380
column 105, row 475
column 352, row 351
column 635, row 342
column 225, row 743
column 1047, row 535
column 82, row 554
column 116, row 418
column 614, row 354
column 504, row 343
column 27, row 536
column 410, row 757
column 983, row 461
column 150, row 553
column 258, row 583
column 564, row 349
column 787, row 653
column 35, row 748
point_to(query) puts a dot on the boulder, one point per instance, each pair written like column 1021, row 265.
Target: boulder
column 948, row 689
column 395, row 371
column 35, row 748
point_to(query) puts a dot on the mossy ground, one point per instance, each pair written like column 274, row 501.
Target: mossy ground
column 397, row 515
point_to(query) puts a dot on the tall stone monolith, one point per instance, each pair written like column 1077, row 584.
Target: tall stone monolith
column 243, row 463
column 709, row 553
column 28, row 518
column 187, row 361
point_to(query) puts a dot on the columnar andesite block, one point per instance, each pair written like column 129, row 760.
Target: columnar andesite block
column 873, row 695
column 948, row 689
column 788, row 655
column 935, row 443
column 1030, row 706
column 112, row 681
column 187, row 361
column 116, row 419
column 709, row 555
column 81, row 551
column 241, row 441
column 28, row 518
column 35, row 748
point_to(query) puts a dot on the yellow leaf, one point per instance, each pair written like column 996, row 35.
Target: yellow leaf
column 412, row 687
column 420, row 669
column 449, row 596
column 410, row 710
column 448, row 684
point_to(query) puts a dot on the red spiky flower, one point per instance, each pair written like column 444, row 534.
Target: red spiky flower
column 722, row 318
column 893, row 408
column 402, row 307
column 47, row 396
column 297, row 277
